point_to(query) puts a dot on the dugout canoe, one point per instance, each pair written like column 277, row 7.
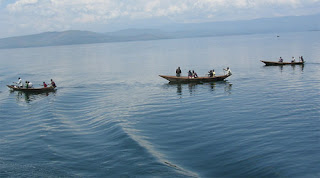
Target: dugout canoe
column 272, row 63
column 44, row 89
column 184, row 79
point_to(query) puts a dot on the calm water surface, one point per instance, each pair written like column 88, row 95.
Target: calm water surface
column 113, row 116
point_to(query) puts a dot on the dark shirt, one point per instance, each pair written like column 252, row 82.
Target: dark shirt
column 53, row 84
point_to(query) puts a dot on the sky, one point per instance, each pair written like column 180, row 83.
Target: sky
column 24, row 17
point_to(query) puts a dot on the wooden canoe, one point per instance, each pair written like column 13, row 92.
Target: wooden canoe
column 272, row 63
column 44, row 89
column 184, row 79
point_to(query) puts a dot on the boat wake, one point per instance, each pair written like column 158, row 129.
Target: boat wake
column 159, row 156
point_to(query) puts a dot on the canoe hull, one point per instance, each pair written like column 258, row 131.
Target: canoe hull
column 271, row 63
column 175, row 79
column 46, row 89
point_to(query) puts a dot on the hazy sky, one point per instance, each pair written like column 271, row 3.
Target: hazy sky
column 21, row 17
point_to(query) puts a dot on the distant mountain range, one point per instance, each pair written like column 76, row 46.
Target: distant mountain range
column 267, row 25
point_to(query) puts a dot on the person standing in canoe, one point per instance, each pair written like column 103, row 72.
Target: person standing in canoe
column 228, row 71
column 53, row 84
column 301, row 59
column 178, row 72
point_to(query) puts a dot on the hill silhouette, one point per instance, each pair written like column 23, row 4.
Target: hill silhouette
column 71, row 37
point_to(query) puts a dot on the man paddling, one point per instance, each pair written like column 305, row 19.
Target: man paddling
column 19, row 83
column 228, row 71
column 53, row 84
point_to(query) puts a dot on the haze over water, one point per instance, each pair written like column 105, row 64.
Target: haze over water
column 112, row 115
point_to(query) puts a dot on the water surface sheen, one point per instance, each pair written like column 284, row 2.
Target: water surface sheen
column 112, row 115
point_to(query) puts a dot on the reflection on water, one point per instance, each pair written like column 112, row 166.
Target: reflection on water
column 134, row 124
column 227, row 86
column 179, row 89
column 193, row 87
column 299, row 67
column 30, row 96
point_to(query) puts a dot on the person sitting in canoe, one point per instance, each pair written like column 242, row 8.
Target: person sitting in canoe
column 30, row 84
column 26, row 84
column 45, row 85
column 280, row 60
column 293, row 59
column 53, row 84
column 189, row 74
column 228, row 71
column 178, row 72
column 19, row 83
column 194, row 74
column 210, row 73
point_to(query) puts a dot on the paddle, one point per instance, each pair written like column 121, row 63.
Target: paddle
column 15, row 83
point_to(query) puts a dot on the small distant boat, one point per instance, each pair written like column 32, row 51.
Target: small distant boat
column 272, row 63
column 44, row 89
column 184, row 79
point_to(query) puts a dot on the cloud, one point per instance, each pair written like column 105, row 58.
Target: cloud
column 110, row 9
column 21, row 4
column 57, row 14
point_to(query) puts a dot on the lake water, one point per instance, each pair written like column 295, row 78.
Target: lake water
column 113, row 116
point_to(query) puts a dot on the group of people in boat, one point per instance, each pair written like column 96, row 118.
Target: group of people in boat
column 28, row 84
column 193, row 74
column 293, row 59
column 211, row 73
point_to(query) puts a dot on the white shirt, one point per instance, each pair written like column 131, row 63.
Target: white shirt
column 30, row 85
column 228, row 71
column 19, row 83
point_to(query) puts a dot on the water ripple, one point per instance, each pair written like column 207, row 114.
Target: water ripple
column 111, row 114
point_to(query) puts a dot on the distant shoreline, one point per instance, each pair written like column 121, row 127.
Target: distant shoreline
column 175, row 31
column 136, row 40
